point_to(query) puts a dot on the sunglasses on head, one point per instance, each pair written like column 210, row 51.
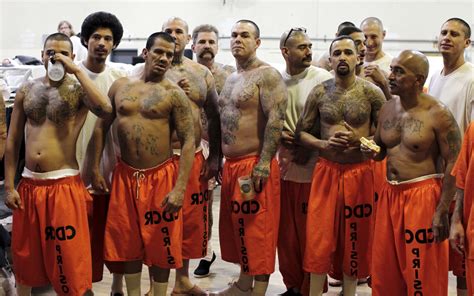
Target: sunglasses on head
column 297, row 29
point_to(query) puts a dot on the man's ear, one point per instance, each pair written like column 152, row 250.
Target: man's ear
column 144, row 53
column 192, row 47
column 258, row 41
column 384, row 33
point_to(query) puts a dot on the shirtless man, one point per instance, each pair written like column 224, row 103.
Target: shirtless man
column 144, row 219
column 198, row 83
column 337, row 113
column 411, row 222
column 252, row 110
column 205, row 46
column 453, row 85
column 51, row 241
column 296, row 175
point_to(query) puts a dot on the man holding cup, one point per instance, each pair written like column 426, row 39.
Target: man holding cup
column 252, row 110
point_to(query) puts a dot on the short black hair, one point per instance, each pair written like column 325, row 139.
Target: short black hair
column 467, row 28
column 257, row 29
column 344, row 25
column 348, row 31
column 204, row 28
column 101, row 19
column 58, row 37
column 339, row 38
column 158, row 35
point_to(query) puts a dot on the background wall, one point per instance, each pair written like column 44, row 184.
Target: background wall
column 23, row 23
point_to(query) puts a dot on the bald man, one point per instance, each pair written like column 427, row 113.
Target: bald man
column 376, row 62
column 198, row 83
column 410, row 251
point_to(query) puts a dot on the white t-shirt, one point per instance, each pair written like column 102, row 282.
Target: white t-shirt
column 383, row 63
column 299, row 86
column 456, row 90
column 103, row 81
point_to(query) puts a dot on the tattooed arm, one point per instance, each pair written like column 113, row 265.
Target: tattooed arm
column 95, row 101
column 3, row 127
column 183, row 123
column 213, row 129
column 308, row 131
column 273, row 99
column 15, row 136
column 449, row 143
column 97, row 142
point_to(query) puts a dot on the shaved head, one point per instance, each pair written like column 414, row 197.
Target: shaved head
column 372, row 21
column 415, row 61
column 175, row 18
column 288, row 39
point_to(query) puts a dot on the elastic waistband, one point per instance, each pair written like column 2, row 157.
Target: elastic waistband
column 343, row 166
column 178, row 151
column 240, row 158
column 131, row 170
column 52, row 177
column 416, row 182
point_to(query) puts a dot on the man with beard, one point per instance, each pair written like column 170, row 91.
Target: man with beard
column 300, row 77
column 454, row 86
column 205, row 46
column 101, row 32
column 410, row 251
column 198, row 83
column 337, row 114
column 252, row 111
column 144, row 223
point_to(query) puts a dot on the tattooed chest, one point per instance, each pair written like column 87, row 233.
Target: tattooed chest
column 149, row 102
column 196, row 88
column 354, row 112
column 412, row 132
column 44, row 102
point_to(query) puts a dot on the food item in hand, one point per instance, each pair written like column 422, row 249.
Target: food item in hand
column 370, row 144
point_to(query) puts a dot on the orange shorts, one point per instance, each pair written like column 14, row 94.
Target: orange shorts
column 195, row 211
column 470, row 276
column 97, row 219
column 50, row 242
column 248, row 230
column 406, row 261
column 380, row 175
column 137, row 228
column 339, row 224
column 292, row 233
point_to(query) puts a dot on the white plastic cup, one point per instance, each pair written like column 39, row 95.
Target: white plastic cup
column 55, row 71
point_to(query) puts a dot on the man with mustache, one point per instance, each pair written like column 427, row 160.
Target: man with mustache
column 144, row 223
column 101, row 32
column 337, row 114
column 300, row 77
column 199, row 85
column 454, row 86
column 205, row 46
column 252, row 110
column 415, row 131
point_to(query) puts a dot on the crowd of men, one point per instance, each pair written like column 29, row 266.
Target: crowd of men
column 350, row 172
